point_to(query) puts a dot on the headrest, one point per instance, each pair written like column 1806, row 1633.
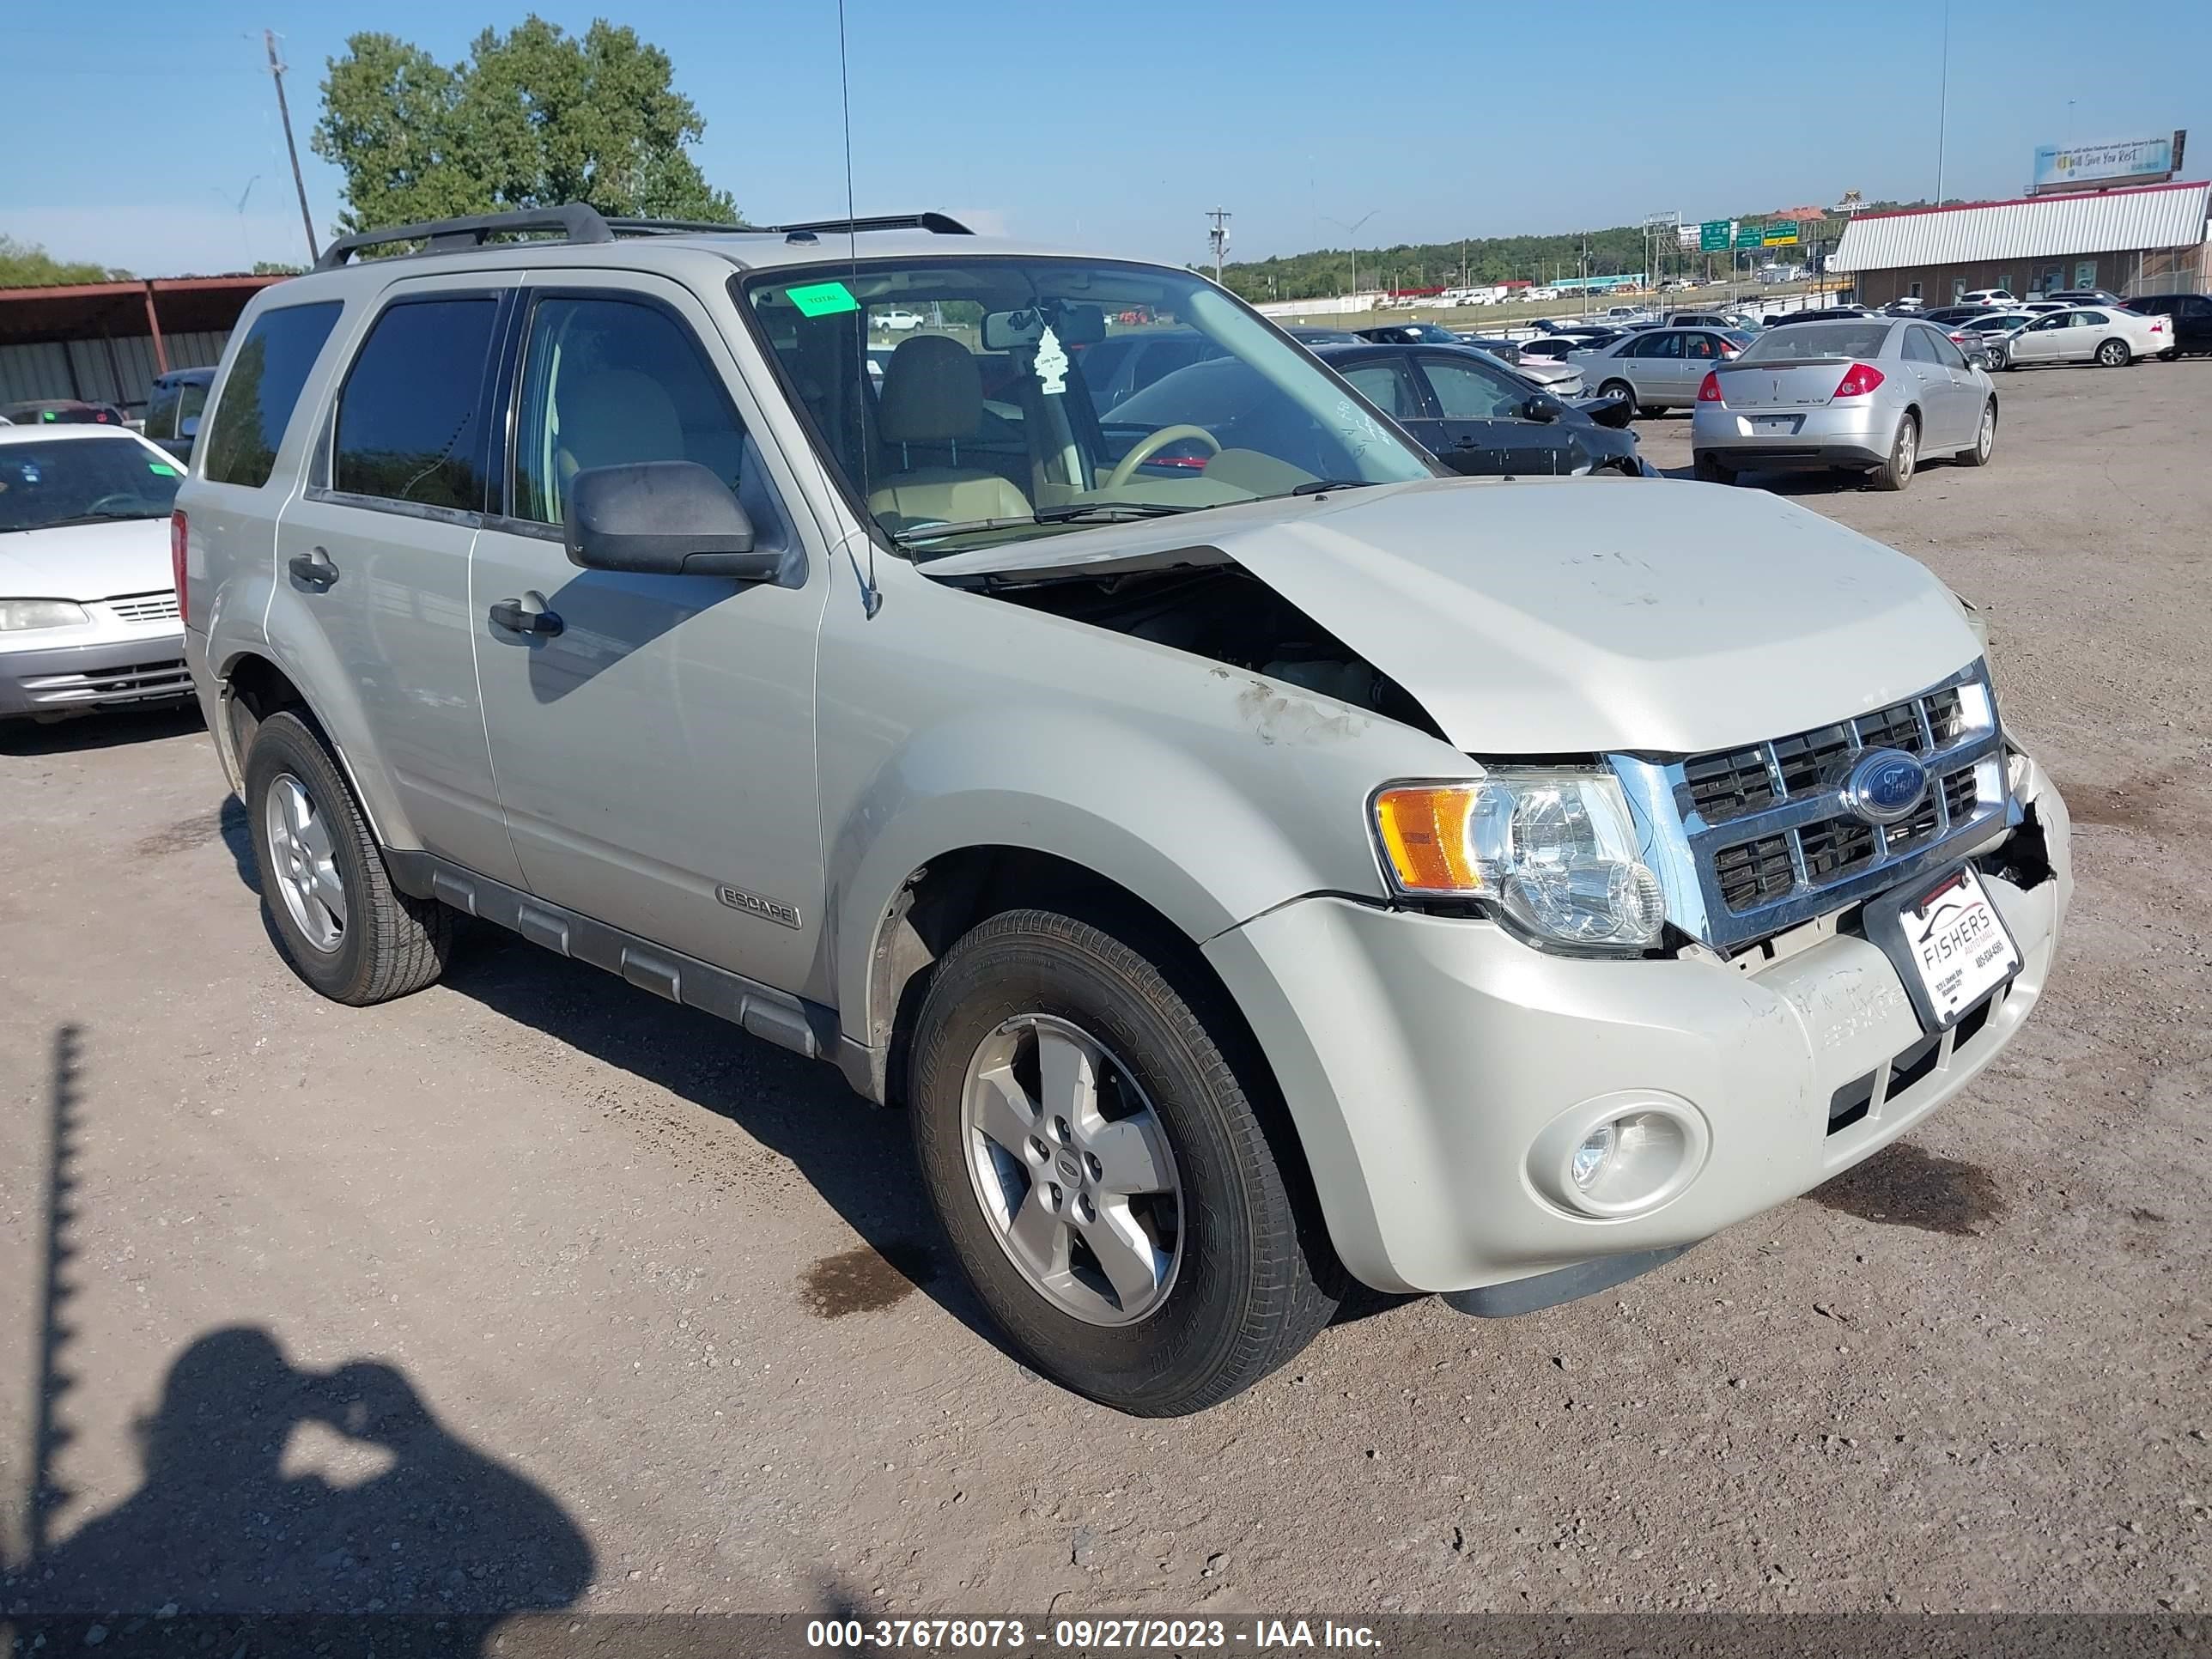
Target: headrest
column 616, row 416
column 932, row 391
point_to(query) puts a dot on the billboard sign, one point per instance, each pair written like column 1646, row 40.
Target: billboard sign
column 1713, row 236
column 2092, row 166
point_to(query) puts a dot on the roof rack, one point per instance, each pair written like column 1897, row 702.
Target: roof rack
column 578, row 223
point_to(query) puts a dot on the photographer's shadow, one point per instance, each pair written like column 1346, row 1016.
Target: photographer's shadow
column 402, row 1518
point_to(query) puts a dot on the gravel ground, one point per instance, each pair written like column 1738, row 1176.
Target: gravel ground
column 533, row 1291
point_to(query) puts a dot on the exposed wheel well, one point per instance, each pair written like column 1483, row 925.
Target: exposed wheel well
column 953, row 892
column 258, row 690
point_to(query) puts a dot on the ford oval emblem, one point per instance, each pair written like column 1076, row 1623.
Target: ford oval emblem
column 1885, row 785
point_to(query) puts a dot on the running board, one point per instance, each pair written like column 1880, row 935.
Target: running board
column 777, row 1017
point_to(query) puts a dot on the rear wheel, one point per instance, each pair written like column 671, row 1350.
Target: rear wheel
column 1090, row 1130
column 1985, row 437
column 1657, row 409
column 344, row 927
column 2114, row 353
column 1896, row 472
column 1712, row 471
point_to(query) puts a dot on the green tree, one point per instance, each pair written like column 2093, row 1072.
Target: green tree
column 534, row 118
column 26, row 265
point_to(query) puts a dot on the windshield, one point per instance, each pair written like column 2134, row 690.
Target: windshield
column 83, row 481
column 1808, row 341
column 985, row 421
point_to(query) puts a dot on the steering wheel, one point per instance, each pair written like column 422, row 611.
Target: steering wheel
column 1151, row 445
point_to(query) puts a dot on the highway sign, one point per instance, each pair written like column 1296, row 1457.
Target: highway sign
column 1781, row 236
column 1750, row 235
column 1713, row 236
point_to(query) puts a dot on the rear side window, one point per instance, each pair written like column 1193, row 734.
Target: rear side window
column 162, row 410
column 410, row 424
column 262, row 386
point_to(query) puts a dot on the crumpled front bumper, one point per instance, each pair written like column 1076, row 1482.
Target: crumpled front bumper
column 1421, row 1058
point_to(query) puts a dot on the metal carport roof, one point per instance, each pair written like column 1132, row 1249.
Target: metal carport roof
column 2099, row 221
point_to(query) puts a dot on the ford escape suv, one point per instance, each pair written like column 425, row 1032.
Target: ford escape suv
column 1255, row 859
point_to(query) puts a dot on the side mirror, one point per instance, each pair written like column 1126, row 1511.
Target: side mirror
column 661, row 519
column 189, row 426
column 1540, row 408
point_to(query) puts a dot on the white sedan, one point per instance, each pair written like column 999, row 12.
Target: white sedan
column 88, row 598
column 2110, row 334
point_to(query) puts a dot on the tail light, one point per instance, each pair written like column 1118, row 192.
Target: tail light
column 1709, row 390
column 1858, row 379
column 1960, row 339
column 177, row 538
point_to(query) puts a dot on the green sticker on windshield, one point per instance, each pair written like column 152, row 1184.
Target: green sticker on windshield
column 161, row 467
column 822, row 299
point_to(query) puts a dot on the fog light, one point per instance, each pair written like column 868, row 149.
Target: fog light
column 1620, row 1155
column 1591, row 1157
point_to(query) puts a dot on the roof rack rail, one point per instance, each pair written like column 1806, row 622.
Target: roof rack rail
column 575, row 221
column 579, row 223
column 938, row 224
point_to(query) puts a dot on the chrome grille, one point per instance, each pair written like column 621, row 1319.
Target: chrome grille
column 144, row 607
column 1755, row 838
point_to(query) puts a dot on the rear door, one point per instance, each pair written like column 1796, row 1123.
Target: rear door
column 1486, row 426
column 372, row 557
column 655, row 753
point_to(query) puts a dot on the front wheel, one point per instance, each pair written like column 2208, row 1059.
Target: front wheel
column 1091, row 1132
column 2000, row 360
column 2114, row 353
column 1985, row 437
column 344, row 927
column 1896, row 472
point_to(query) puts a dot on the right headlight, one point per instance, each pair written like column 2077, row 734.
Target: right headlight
column 17, row 614
column 1552, row 850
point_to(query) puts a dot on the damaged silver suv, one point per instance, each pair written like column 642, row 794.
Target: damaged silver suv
column 1256, row 859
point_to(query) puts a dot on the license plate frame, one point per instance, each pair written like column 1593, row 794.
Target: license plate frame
column 1776, row 426
column 1948, row 941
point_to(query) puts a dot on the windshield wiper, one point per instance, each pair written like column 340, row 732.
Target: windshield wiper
column 1326, row 486
column 93, row 518
column 1091, row 512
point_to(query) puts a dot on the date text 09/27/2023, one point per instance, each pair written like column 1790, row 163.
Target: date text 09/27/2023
column 1090, row 1635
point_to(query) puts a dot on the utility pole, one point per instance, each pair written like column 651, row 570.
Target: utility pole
column 284, row 113
column 1943, row 104
column 1219, row 236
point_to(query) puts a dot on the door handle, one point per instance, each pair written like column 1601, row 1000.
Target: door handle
column 526, row 614
column 313, row 567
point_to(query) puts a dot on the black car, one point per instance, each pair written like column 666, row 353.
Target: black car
column 1411, row 334
column 1827, row 314
column 2190, row 315
column 1479, row 417
column 1955, row 313
column 1305, row 335
column 173, row 406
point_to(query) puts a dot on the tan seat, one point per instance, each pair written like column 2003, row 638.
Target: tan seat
column 613, row 418
column 933, row 394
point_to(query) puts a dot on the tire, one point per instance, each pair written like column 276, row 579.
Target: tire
column 1657, row 410
column 386, row 943
column 1985, row 438
column 2000, row 359
column 1896, row 471
column 1622, row 391
column 1707, row 470
column 2114, row 353
column 1248, row 1278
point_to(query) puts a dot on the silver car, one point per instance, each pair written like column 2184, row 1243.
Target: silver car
column 1658, row 368
column 1873, row 394
column 87, row 600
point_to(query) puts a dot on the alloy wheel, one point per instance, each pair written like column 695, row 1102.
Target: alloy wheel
column 304, row 861
column 1073, row 1170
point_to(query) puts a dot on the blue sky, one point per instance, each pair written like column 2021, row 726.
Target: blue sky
column 1117, row 126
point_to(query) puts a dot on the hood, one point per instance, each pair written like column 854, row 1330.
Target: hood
column 86, row 560
column 1534, row 616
